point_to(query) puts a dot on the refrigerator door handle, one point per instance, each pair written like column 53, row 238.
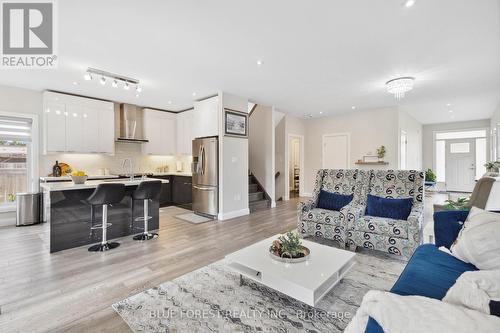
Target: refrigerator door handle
column 202, row 160
column 203, row 188
column 198, row 164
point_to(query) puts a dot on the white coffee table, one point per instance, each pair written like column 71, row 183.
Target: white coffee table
column 307, row 281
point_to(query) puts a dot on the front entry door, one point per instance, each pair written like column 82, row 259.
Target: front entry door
column 460, row 165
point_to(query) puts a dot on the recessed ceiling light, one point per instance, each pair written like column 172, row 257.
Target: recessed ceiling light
column 137, row 95
column 75, row 83
column 353, row 107
column 259, row 62
column 451, row 111
column 321, row 112
column 448, row 104
column 169, row 102
column 138, row 89
column 114, row 84
column 409, row 3
column 126, row 86
column 102, row 80
column 87, row 76
column 194, row 94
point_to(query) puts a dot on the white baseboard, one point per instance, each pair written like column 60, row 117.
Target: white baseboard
column 305, row 194
column 273, row 204
column 233, row 214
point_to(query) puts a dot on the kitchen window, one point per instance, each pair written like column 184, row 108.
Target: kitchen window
column 18, row 162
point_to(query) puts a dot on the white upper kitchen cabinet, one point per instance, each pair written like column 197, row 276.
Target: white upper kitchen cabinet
column 91, row 128
column 55, row 126
column 185, row 132
column 74, row 124
column 74, row 129
column 107, row 129
column 206, row 117
column 160, row 130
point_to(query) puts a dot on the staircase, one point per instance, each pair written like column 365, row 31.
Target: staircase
column 257, row 198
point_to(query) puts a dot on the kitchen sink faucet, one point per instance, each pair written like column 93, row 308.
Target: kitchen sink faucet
column 130, row 170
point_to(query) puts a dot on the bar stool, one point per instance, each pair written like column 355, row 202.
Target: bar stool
column 146, row 191
column 104, row 195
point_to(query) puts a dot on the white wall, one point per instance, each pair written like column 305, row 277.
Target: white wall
column 233, row 165
column 368, row 129
column 428, row 136
column 261, row 148
column 413, row 131
column 279, row 156
column 495, row 131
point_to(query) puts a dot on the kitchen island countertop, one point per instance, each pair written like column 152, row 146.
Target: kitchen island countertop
column 67, row 186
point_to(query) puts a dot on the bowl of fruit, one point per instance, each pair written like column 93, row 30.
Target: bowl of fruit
column 79, row 177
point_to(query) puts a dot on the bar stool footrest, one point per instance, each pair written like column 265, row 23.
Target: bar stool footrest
column 103, row 247
column 145, row 236
column 141, row 218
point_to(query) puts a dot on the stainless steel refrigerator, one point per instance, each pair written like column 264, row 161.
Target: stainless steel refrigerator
column 205, row 170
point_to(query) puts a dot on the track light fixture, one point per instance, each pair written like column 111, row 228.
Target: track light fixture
column 116, row 79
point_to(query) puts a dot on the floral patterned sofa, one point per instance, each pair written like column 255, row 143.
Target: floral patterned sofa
column 350, row 226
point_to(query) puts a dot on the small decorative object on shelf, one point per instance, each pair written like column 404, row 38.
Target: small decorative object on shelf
column 381, row 152
column 370, row 159
column 288, row 248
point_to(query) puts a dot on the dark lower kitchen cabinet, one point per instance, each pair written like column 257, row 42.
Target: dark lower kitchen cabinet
column 166, row 191
column 182, row 191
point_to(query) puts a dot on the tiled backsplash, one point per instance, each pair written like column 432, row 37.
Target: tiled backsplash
column 91, row 163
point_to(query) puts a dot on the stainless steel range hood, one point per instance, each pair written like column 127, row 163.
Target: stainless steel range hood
column 131, row 117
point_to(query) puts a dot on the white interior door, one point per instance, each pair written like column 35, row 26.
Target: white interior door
column 403, row 155
column 460, row 165
column 336, row 151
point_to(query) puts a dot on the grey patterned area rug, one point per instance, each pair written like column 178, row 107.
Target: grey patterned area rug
column 211, row 300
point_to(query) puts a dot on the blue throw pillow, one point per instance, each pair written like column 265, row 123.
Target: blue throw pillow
column 398, row 209
column 333, row 201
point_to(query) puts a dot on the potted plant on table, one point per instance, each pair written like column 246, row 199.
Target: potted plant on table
column 288, row 248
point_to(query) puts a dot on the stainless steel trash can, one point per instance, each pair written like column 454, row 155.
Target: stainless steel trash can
column 28, row 208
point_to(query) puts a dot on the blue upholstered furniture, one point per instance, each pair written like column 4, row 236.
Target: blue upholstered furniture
column 431, row 272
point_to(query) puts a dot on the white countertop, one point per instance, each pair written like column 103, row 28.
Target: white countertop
column 67, row 186
column 52, row 178
column 173, row 173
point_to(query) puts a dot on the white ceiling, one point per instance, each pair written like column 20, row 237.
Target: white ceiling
column 318, row 56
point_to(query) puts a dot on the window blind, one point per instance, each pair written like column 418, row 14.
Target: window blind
column 15, row 129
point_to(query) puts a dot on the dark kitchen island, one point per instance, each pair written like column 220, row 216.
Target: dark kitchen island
column 69, row 215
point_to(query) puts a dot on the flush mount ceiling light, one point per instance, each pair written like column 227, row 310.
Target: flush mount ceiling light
column 400, row 86
column 116, row 79
column 409, row 3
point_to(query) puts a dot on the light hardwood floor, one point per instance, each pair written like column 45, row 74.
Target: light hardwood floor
column 72, row 290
